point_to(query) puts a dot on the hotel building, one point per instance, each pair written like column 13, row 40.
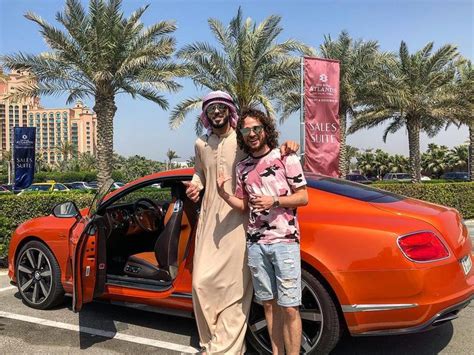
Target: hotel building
column 54, row 127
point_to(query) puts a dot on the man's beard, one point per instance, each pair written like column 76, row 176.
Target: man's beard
column 220, row 125
column 261, row 144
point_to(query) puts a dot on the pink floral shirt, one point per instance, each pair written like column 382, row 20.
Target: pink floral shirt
column 270, row 175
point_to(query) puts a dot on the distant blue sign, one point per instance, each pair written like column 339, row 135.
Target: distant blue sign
column 24, row 156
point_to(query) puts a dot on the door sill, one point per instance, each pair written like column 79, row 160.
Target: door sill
column 138, row 283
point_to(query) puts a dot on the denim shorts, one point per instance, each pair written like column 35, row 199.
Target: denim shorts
column 276, row 272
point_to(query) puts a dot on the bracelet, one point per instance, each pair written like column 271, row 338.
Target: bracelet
column 276, row 201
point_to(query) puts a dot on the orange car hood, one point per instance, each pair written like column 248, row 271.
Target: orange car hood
column 445, row 220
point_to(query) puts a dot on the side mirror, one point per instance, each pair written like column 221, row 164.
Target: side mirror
column 66, row 210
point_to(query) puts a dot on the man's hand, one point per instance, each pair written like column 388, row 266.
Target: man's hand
column 192, row 191
column 221, row 180
column 261, row 203
column 289, row 147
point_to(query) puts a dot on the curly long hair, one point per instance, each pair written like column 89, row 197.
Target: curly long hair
column 268, row 124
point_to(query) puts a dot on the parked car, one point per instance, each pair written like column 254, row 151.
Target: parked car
column 11, row 188
column 118, row 185
column 373, row 262
column 79, row 185
column 361, row 179
column 93, row 184
column 403, row 177
column 45, row 187
column 425, row 178
column 4, row 190
column 456, row 176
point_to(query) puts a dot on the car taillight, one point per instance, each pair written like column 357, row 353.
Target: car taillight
column 423, row 246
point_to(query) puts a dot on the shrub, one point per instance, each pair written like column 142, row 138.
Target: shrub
column 15, row 209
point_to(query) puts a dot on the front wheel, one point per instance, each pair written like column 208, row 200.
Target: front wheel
column 38, row 276
column 319, row 317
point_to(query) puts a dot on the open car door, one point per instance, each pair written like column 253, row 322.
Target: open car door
column 88, row 264
column 88, row 241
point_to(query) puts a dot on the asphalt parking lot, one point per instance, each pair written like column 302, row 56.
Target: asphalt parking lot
column 109, row 329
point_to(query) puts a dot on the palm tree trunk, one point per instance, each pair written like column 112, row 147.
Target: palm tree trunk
column 413, row 127
column 343, row 164
column 470, row 161
column 105, row 109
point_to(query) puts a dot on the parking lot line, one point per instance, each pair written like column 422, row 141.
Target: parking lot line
column 106, row 334
column 7, row 288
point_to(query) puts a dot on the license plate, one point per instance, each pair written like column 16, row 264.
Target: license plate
column 466, row 263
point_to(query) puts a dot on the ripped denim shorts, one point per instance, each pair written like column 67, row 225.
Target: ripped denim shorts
column 276, row 272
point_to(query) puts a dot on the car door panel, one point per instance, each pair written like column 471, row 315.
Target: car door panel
column 89, row 267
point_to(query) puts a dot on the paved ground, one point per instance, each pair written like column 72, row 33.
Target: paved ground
column 107, row 329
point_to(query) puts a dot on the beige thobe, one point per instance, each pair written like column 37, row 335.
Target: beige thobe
column 222, row 286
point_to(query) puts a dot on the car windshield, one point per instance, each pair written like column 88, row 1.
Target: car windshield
column 99, row 196
column 38, row 188
column 350, row 189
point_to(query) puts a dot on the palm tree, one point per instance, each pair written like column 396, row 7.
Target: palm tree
column 351, row 153
column 191, row 161
column 40, row 161
column 398, row 163
column 457, row 157
column 248, row 64
column 413, row 94
column 87, row 162
column 360, row 61
column 366, row 163
column 464, row 101
column 101, row 54
column 66, row 150
column 382, row 162
column 171, row 154
column 7, row 157
column 435, row 160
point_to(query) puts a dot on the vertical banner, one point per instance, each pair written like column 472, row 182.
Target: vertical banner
column 24, row 156
column 321, row 116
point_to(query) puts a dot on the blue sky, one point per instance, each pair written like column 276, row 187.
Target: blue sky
column 142, row 127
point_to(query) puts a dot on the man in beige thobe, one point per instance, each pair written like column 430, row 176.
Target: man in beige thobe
column 222, row 285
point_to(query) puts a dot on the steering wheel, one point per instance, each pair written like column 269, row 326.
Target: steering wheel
column 148, row 214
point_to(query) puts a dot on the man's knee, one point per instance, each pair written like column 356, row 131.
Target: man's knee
column 290, row 312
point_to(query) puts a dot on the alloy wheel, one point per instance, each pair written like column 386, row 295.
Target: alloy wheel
column 312, row 320
column 34, row 276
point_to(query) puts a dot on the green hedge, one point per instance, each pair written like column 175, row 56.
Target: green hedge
column 459, row 195
column 15, row 209
column 67, row 176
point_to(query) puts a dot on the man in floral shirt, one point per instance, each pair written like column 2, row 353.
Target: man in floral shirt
column 272, row 186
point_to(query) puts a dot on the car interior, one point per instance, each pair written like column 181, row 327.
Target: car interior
column 151, row 233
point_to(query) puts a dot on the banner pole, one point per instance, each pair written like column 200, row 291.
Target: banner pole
column 302, row 127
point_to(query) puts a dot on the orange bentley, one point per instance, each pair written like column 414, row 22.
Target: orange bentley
column 374, row 263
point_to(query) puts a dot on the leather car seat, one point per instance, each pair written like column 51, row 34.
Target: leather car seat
column 162, row 263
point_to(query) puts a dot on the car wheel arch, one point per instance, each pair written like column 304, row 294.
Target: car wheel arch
column 329, row 288
column 25, row 241
column 324, row 275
